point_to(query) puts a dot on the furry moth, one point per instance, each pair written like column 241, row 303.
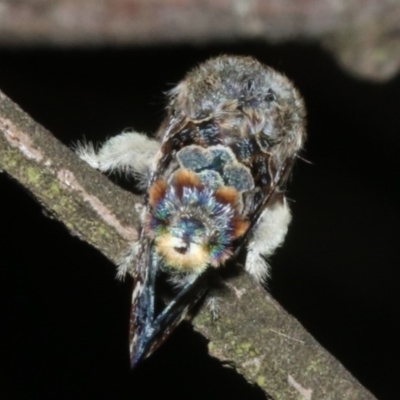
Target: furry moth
column 213, row 181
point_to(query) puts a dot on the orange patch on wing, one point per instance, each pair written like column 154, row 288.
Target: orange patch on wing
column 186, row 177
column 157, row 192
column 240, row 227
column 227, row 195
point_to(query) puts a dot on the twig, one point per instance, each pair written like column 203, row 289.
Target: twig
column 361, row 34
column 102, row 214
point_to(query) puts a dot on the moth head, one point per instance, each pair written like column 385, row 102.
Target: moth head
column 192, row 225
column 242, row 95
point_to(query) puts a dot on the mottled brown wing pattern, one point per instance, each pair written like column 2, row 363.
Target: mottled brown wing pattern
column 231, row 135
column 215, row 186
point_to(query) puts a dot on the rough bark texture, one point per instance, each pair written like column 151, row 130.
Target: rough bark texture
column 363, row 35
column 271, row 348
column 255, row 335
column 90, row 206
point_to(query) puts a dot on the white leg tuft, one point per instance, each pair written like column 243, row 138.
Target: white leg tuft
column 127, row 263
column 131, row 153
column 267, row 236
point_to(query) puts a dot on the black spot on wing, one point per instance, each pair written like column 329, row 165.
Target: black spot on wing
column 270, row 96
column 209, row 134
column 204, row 134
column 260, row 170
column 185, row 137
column 244, row 149
column 248, row 152
column 177, row 140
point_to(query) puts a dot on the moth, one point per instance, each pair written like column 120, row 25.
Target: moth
column 214, row 185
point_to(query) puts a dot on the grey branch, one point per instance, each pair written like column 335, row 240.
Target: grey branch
column 254, row 334
column 363, row 35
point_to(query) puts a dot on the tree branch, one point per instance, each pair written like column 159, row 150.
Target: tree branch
column 361, row 34
column 260, row 339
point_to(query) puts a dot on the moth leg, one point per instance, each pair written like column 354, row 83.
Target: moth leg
column 215, row 285
column 131, row 153
column 267, row 236
column 218, row 289
column 127, row 262
column 212, row 304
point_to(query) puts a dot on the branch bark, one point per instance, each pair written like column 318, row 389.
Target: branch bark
column 363, row 35
column 255, row 335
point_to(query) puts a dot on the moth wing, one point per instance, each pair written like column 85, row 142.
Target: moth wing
column 148, row 330
column 279, row 178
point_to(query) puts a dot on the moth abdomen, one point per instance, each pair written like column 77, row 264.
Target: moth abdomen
column 192, row 223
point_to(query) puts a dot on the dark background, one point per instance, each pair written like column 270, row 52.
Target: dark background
column 64, row 316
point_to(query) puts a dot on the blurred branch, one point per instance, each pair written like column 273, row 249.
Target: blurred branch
column 255, row 335
column 363, row 35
